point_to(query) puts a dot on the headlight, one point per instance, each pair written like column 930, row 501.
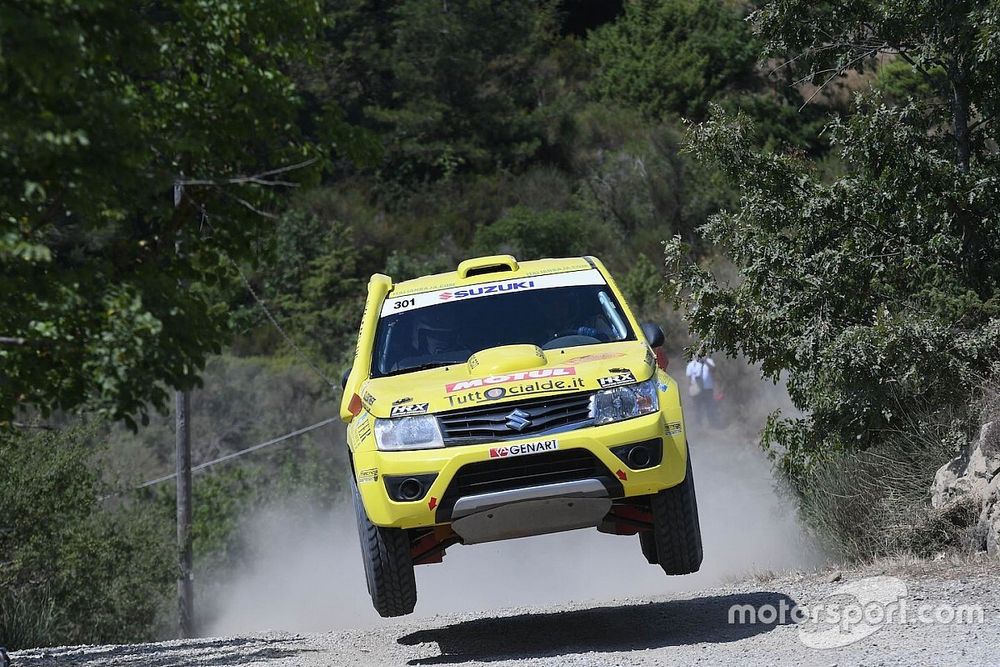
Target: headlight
column 613, row 405
column 421, row 432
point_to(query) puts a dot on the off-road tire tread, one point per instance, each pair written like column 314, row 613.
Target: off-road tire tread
column 388, row 566
column 647, row 542
column 676, row 530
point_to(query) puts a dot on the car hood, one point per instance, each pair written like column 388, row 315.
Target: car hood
column 506, row 374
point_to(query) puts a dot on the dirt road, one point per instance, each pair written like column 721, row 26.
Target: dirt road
column 936, row 622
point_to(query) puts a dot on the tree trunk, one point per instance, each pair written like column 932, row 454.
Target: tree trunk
column 960, row 116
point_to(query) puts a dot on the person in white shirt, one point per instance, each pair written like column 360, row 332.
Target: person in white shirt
column 701, row 388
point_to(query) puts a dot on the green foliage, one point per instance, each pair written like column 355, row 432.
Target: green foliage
column 314, row 281
column 780, row 121
column 953, row 46
column 641, row 285
column 74, row 569
column 531, row 234
column 871, row 294
column 99, row 122
column 461, row 92
column 898, row 82
column 672, row 56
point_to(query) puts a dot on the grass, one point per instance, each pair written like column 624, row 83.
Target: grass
column 28, row 618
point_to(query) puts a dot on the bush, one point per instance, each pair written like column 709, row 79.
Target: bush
column 875, row 502
column 75, row 568
column 529, row 234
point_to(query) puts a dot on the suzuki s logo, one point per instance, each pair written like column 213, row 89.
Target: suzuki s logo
column 518, row 420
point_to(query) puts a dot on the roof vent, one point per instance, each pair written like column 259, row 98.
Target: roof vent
column 483, row 265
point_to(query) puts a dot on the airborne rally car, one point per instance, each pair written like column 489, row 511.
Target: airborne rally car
column 508, row 399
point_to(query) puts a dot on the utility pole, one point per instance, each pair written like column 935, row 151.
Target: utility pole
column 185, row 552
column 185, row 576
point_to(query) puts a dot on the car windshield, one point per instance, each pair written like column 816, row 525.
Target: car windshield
column 447, row 327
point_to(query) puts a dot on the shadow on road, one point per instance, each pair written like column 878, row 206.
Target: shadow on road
column 602, row 630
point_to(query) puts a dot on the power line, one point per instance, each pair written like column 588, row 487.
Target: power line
column 241, row 452
column 263, row 306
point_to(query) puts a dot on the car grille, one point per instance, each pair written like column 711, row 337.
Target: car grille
column 524, row 471
column 470, row 426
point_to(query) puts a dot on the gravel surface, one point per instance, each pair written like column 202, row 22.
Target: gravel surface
column 679, row 629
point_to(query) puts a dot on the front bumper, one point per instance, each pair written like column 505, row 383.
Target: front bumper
column 446, row 462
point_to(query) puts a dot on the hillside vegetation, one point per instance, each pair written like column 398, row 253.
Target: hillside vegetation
column 823, row 176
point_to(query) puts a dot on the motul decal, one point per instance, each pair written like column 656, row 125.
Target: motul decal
column 539, row 374
column 526, row 448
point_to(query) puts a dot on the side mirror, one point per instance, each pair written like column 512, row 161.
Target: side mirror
column 653, row 333
column 343, row 378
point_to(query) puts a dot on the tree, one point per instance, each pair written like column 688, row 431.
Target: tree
column 959, row 38
column 107, row 285
column 874, row 295
column 672, row 56
column 461, row 95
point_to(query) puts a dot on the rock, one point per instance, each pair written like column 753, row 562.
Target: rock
column 974, row 478
column 835, row 577
column 989, row 523
column 946, row 479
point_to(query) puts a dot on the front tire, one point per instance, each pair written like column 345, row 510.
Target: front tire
column 676, row 531
column 388, row 564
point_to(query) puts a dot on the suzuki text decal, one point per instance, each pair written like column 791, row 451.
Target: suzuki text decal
column 526, row 448
column 486, row 289
column 509, row 377
column 461, row 293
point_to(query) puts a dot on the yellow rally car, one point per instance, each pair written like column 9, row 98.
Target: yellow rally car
column 508, row 399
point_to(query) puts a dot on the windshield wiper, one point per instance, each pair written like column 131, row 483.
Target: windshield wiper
column 424, row 367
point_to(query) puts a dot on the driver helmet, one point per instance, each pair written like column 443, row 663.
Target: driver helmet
column 434, row 332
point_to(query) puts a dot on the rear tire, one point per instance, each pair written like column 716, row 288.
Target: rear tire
column 676, row 531
column 388, row 564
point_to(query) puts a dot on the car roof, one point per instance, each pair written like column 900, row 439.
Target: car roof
column 481, row 270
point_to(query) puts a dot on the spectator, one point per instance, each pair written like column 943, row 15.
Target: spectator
column 701, row 388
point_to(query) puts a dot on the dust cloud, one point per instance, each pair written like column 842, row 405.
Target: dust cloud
column 303, row 572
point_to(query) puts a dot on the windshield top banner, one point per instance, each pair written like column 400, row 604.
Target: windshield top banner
column 424, row 299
